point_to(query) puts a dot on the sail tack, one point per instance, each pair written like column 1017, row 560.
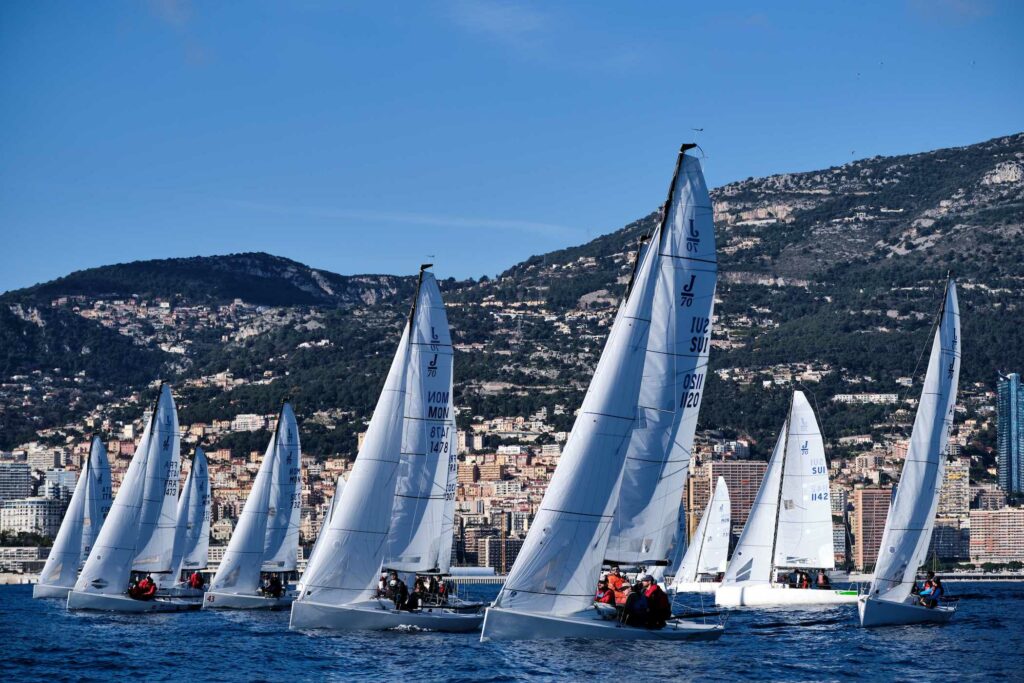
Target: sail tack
column 674, row 375
column 908, row 528
column 81, row 525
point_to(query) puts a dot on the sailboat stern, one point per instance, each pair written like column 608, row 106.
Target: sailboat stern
column 874, row 612
column 506, row 624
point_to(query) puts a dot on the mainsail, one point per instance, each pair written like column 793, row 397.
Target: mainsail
column 908, row 528
column 347, row 562
column 265, row 525
column 192, row 537
column 674, row 376
column 281, row 543
column 420, row 535
column 557, row 569
column 709, row 550
column 81, row 525
column 136, row 534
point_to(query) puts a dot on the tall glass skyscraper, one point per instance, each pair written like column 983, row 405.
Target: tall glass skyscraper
column 1010, row 424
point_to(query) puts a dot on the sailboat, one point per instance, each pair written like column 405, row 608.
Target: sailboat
column 397, row 506
column 790, row 523
column 549, row 591
column 192, row 533
column 908, row 528
column 706, row 557
column 138, row 534
column 266, row 538
column 89, row 506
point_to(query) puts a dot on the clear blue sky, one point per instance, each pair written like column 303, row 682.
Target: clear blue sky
column 363, row 136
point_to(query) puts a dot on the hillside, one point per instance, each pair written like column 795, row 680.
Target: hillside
column 831, row 276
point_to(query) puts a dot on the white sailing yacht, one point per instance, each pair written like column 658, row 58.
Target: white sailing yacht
column 790, row 523
column 89, row 506
column 639, row 401
column 908, row 528
column 138, row 534
column 192, row 534
column 397, row 506
column 266, row 539
column 706, row 557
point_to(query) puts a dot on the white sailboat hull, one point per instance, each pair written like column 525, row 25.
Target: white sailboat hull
column 505, row 624
column 42, row 590
column 122, row 603
column 374, row 615
column 768, row 595
column 695, row 587
column 875, row 612
column 217, row 600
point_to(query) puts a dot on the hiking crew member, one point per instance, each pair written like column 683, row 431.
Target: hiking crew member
column 618, row 585
column 604, row 595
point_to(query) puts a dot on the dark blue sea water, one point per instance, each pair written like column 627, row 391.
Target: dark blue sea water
column 42, row 641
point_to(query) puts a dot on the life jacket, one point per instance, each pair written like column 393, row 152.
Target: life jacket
column 607, row 597
column 618, row 585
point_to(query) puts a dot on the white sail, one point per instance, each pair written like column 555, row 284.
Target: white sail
column 158, row 518
column 908, row 528
column 196, row 519
column 281, row 544
column 192, row 535
column 422, row 490
column 804, row 532
column 239, row 571
column 331, row 505
column 709, row 550
column 346, row 565
column 752, row 558
column 136, row 517
column 558, row 567
column 81, row 525
column 674, row 376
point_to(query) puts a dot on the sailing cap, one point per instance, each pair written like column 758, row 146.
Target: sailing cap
column 647, row 577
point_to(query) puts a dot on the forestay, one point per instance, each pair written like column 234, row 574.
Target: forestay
column 674, row 375
column 254, row 535
column 421, row 526
column 81, row 525
column 908, row 528
column 804, row 532
column 136, row 516
column 752, row 558
column 708, row 552
column 557, row 569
